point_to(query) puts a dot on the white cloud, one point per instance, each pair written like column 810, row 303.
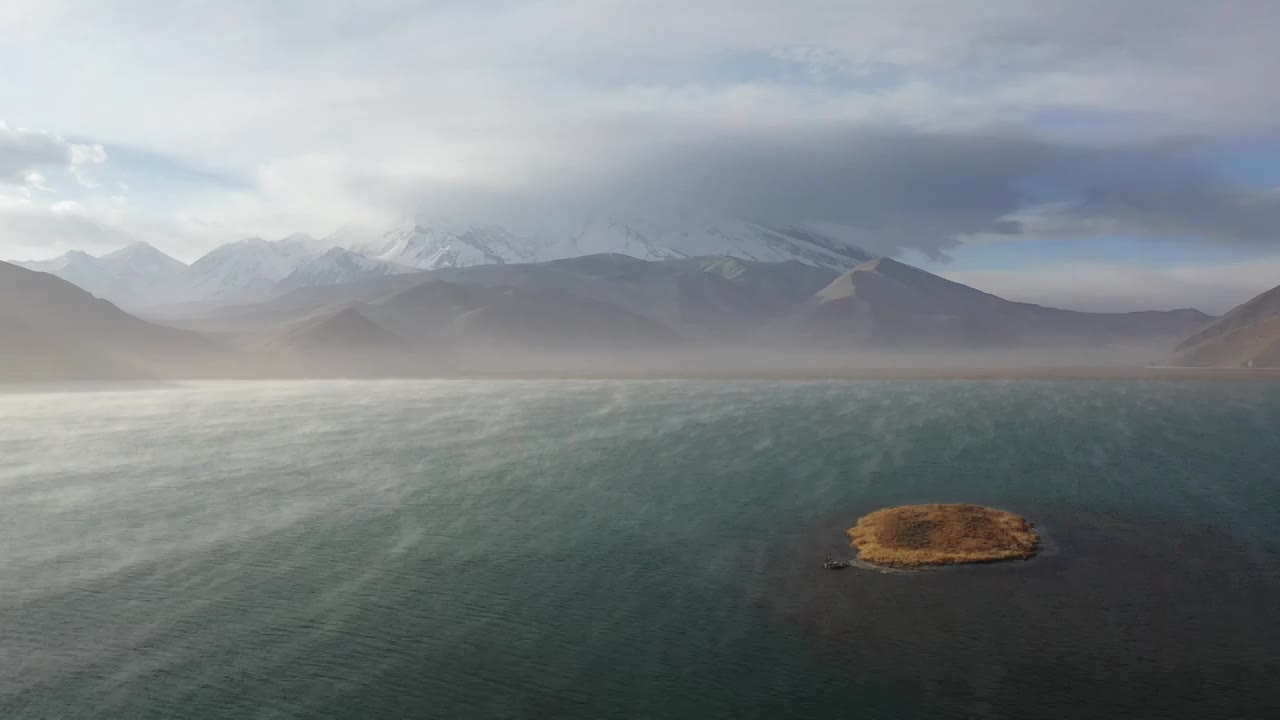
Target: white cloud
column 23, row 152
column 342, row 111
column 83, row 158
column 31, row 232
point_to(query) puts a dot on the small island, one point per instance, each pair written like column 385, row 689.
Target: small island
column 913, row 536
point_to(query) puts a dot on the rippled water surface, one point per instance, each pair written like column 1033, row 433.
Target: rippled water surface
column 631, row 549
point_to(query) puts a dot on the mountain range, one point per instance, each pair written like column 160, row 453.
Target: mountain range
column 445, row 297
column 140, row 277
column 604, row 311
column 615, row 309
column 133, row 275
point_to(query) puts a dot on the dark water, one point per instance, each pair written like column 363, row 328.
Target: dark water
column 632, row 549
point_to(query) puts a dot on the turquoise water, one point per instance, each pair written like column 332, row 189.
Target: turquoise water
column 631, row 549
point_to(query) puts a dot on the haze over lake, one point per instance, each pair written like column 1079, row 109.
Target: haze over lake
column 587, row 549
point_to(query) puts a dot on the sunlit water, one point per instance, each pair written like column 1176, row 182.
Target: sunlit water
column 631, row 549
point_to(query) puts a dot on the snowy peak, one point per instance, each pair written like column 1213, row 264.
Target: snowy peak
column 432, row 247
column 299, row 238
column 137, row 274
column 338, row 266
column 429, row 246
column 70, row 259
column 252, row 269
column 699, row 237
column 249, row 268
column 142, row 259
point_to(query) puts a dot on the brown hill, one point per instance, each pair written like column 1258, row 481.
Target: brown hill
column 471, row 319
column 51, row 329
column 888, row 304
column 1249, row 335
column 438, row 326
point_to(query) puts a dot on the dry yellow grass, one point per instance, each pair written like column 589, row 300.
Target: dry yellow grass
column 918, row 535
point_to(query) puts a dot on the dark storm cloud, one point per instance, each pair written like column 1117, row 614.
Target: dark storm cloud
column 889, row 187
column 892, row 188
column 1164, row 190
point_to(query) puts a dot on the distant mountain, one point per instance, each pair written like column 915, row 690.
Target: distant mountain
column 140, row 276
column 596, row 311
column 251, row 270
column 700, row 298
column 438, row 314
column 135, row 275
column 713, row 297
column 345, row 331
column 336, row 267
column 55, row 330
column 787, row 308
column 140, row 264
column 1249, row 335
column 887, row 304
column 430, row 246
column 248, row 269
column 78, row 268
column 440, row 327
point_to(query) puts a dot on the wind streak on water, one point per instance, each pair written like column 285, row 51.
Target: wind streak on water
column 507, row 548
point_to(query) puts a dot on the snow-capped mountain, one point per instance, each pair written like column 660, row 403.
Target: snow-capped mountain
column 338, row 266
column 78, row 268
column 139, row 275
column 141, row 261
column 135, row 275
column 248, row 269
column 429, row 246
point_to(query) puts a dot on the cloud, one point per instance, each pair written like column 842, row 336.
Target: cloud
column 83, row 158
column 23, row 152
column 30, row 232
column 887, row 187
column 903, row 125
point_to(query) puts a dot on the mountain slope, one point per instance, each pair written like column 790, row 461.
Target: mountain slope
column 699, row 298
column 885, row 303
column 785, row 306
column 136, row 275
column 338, row 266
column 431, row 246
column 248, row 269
column 479, row 319
column 440, row 327
column 78, row 268
column 343, row 343
column 55, row 330
column 141, row 263
column 1248, row 335
column 619, row 304
column 251, row 270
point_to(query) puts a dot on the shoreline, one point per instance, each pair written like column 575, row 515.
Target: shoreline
column 1143, row 372
column 1136, row 372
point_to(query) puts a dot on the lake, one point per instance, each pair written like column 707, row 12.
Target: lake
column 591, row 549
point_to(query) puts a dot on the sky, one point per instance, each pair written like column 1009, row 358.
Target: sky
column 1089, row 154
